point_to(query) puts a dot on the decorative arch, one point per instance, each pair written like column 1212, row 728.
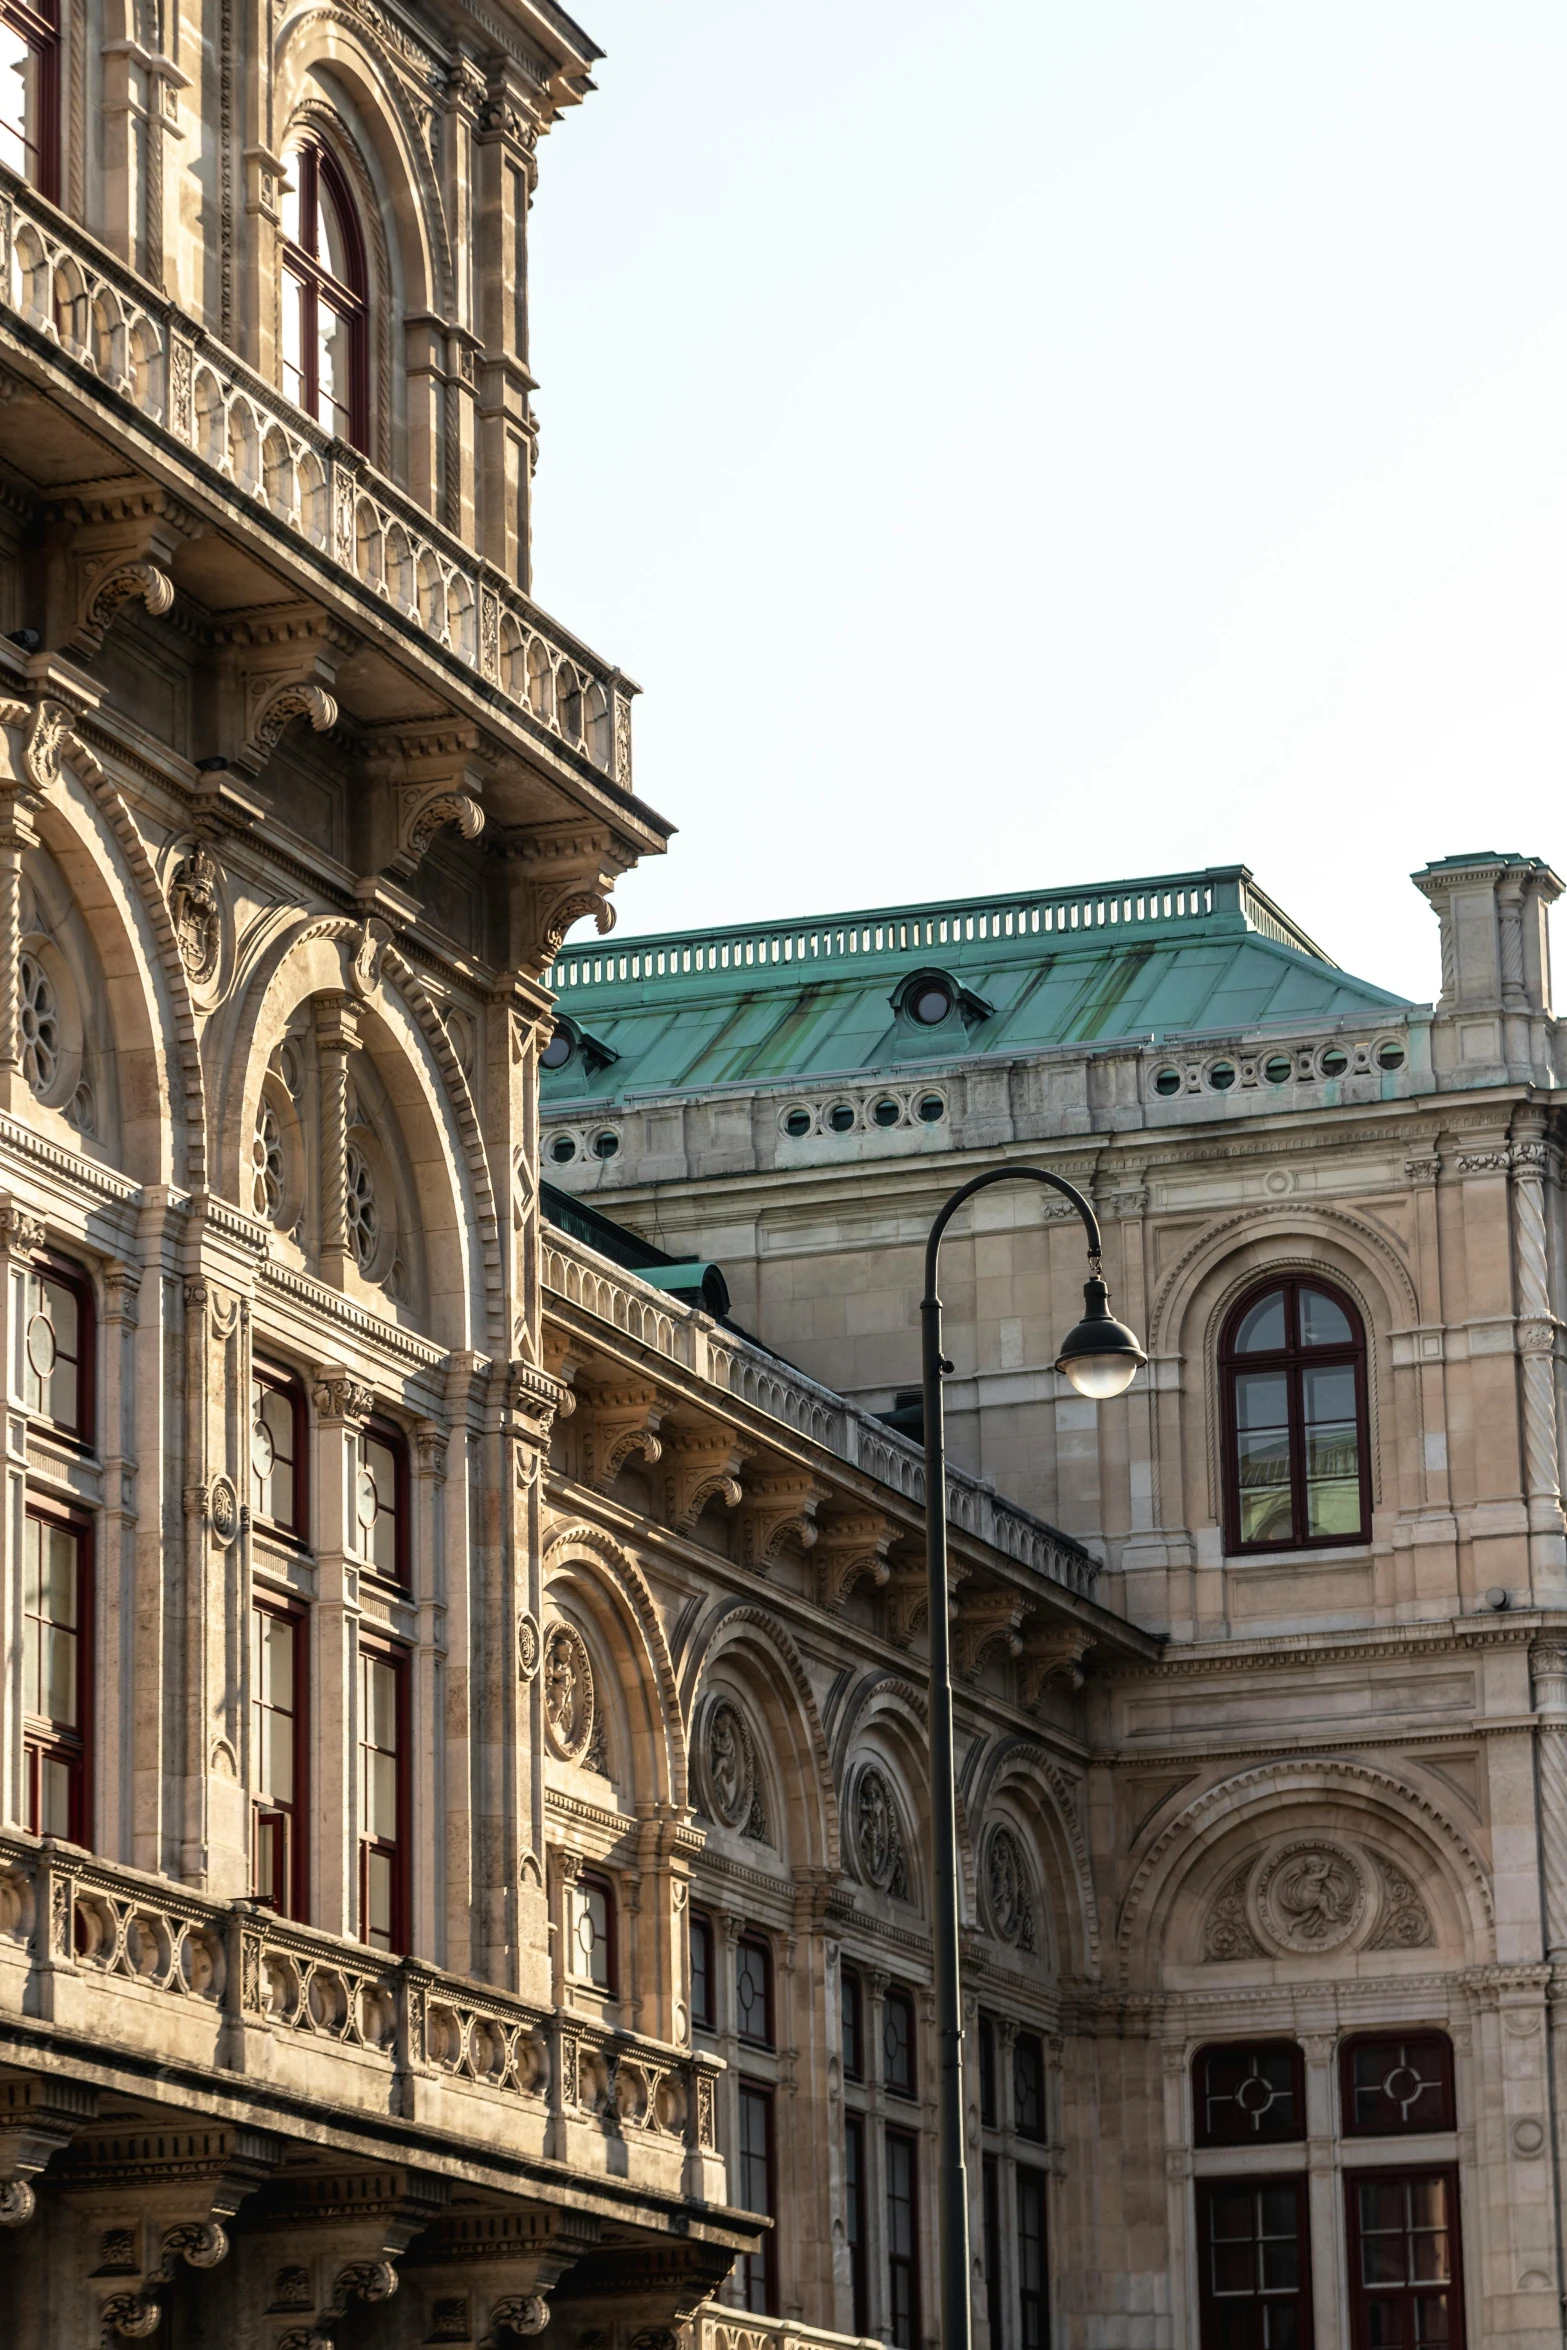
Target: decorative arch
column 741, row 1626
column 1353, row 1234
column 619, row 1581
column 1020, row 1762
column 1398, row 1802
column 890, row 1715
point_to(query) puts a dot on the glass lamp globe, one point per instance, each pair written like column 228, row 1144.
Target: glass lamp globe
column 1101, row 1357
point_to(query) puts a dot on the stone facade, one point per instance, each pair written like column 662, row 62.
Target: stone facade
column 462, row 1727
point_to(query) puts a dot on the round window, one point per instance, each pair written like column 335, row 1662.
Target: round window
column 1222, row 1076
column 886, row 1113
column 562, row 1149
column 930, row 1004
column 1168, row 1081
column 1279, row 1070
column 932, row 1108
column 558, row 1051
column 798, row 1123
column 840, row 1117
column 1334, row 1062
column 1390, row 1056
column 606, row 1144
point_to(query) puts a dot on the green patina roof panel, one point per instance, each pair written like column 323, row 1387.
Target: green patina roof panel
column 793, row 1001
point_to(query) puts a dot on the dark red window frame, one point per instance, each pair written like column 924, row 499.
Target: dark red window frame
column 990, row 2222
column 288, row 1889
column 67, row 1275
column 42, row 1737
column 756, row 1946
column 1292, row 1360
column 40, row 29
column 1236, row 2322
column 1028, row 2059
column 1224, row 2075
column 1033, row 2261
column 851, row 2022
column 348, row 297
column 903, row 2259
column 855, row 2187
column 397, row 1850
column 1432, row 2044
column 387, row 1433
column 595, row 1881
column 291, row 1387
column 989, row 2109
column 759, row 2269
column 1362, row 2297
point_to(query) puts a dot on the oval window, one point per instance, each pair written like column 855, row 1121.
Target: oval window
column 1280, row 1069
column 1168, row 1081
column 886, row 1113
column 562, row 1149
column 932, row 1108
column 840, row 1117
column 1390, row 1056
column 798, row 1123
column 930, row 1004
column 1221, row 1076
column 1334, row 1062
column 558, row 1051
column 605, row 1145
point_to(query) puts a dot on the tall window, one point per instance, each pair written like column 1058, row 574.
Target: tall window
column 990, row 2195
column 324, row 296
column 897, row 2043
column 854, row 2217
column 754, row 1991
column 702, row 2014
column 988, row 2113
column 1028, row 2085
column 1396, row 2085
column 852, row 2010
column 1293, row 1372
column 56, row 1607
column 57, row 1350
column 383, row 1499
column 277, row 1451
column 758, row 2268
column 1033, row 2317
column 593, row 1932
column 383, row 1799
column 277, row 1715
column 1254, row 2277
column 1404, row 2278
column 30, row 93
column 903, row 2281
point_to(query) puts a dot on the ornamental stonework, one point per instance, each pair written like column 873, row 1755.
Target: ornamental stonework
column 569, row 1696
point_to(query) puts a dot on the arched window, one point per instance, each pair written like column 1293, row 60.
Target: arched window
column 324, row 295
column 30, row 93
column 1293, row 1374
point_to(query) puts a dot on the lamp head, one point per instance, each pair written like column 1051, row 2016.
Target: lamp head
column 1100, row 1356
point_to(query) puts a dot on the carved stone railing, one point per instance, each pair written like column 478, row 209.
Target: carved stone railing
column 1206, row 897
column 717, row 2328
column 265, row 1998
column 581, row 1277
column 205, row 406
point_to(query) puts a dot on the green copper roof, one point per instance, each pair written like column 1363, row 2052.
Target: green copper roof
column 774, row 1003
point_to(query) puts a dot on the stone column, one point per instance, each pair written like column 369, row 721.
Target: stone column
column 1537, row 1340
column 16, row 836
column 337, row 1035
column 20, row 1233
column 343, row 1405
column 1548, row 1675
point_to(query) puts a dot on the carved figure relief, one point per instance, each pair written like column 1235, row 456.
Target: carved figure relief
column 878, row 1836
column 1008, row 1889
column 569, row 1705
column 733, row 1794
column 194, row 910
column 1311, row 1896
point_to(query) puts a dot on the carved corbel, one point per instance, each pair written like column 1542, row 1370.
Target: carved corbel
column 560, row 874
column 153, row 2204
column 506, row 2270
column 536, row 1398
column 419, row 781
column 340, row 1397
column 776, row 1508
column 1053, row 1658
column 105, row 553
column 990, row 1619
column 357, row 2229
column 613, row 1423
column 853, row 1549
column 38, row 2116
column 271, row 667
column 701, row 1464
column 907, row 1594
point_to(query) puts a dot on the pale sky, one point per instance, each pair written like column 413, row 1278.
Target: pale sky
column 1034, row 443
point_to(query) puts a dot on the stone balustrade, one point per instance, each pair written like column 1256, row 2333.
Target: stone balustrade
column 86, row 1946
column 717, row 2328
column 196, row 402
column 734, row 1364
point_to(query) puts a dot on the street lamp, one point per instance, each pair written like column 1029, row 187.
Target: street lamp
column 1100, row 1356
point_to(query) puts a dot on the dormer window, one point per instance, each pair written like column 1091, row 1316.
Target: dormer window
column 930, row 1003
column 572, row 1046
column 935, row 1013
column 324, row 295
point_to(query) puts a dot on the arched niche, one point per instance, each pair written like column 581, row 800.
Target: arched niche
column 745, row 1682
column 1022, row 1793
column 594, row 1589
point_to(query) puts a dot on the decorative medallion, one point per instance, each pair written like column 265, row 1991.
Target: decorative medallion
column 733, row 1791
column 1309, row 1897
column 527, row 1646
column 568, row 1693
column 195, row 912
column 223, row 1509
column 1008, row 1890
column 878, row 1838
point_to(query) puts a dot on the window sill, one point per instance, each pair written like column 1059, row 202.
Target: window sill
column 1330, row 1555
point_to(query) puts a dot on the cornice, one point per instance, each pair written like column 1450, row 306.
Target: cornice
column 1314, row 1650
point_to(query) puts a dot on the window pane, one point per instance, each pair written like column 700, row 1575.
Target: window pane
column 54, row 1796
column 1262, row 1327
column 1322, row 1322
column 1247, row 2096
column 332, row 247
column 19, row 95
column 593, row 1934
column 853, row 2052
column 334, row 369
column 898, row 2043
column 50, row 1345
column 378, row 1889
column 294, row 307
column 1028, row 2077
column 1399, row 2085
column 701, row 1972
column 1263, row 1455
column 751, row 1989
column 380, row 1464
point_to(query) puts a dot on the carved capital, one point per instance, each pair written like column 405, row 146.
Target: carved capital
column 340, row 1396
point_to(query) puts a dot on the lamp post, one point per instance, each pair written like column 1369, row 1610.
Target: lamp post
column 1100, row 1357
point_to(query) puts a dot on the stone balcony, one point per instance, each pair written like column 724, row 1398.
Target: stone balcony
column 144, row 1989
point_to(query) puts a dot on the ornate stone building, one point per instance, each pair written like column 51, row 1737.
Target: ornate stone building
column 462, row 1736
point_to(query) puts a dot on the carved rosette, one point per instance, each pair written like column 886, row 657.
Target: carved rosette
column 731, row 1776
column 1310, row 1897
column 1009, row 1895
column 569, row 1696
column 879, row 1853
